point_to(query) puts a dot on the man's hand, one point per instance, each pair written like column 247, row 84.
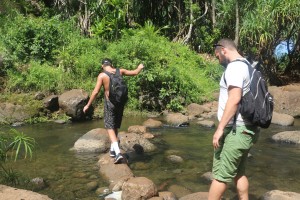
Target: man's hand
column 141, row 66
column 218, row 134
column 85, row 108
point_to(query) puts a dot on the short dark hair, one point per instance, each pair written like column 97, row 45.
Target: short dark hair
column 226, row 43
column 107, row 62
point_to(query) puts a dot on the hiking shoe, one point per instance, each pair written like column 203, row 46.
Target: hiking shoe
column 112, row 154
column 118, row 158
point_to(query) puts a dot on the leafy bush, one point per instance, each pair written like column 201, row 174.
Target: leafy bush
column 173, row 75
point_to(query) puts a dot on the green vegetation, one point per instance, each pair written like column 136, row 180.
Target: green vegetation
column 54, row 46
column 13, row 145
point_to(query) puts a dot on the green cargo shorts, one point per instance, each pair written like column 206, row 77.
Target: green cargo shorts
column 231, row 156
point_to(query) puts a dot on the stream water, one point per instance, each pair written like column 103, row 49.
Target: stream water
column 271, row 166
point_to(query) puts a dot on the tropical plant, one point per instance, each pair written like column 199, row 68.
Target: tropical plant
column 12, row 146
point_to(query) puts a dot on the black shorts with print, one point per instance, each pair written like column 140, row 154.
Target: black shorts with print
column 112, row 115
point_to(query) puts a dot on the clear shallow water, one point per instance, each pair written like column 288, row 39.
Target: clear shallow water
column 272, row 166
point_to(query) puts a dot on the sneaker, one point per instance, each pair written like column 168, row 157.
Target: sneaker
column 118, row 158
column 112, row 154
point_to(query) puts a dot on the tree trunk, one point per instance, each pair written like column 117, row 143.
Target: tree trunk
column 237, row 23
column 213, row 13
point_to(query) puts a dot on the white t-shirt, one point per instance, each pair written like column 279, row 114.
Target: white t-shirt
column 236, row 74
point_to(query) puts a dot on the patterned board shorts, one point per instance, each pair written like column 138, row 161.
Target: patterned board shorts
column 112, row 115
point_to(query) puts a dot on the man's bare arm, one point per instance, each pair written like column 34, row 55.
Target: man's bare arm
column 132, row 72
column 234, row 97
column 94, row 93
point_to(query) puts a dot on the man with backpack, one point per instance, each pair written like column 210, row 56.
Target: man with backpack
column 235, row 134
column 115, row 97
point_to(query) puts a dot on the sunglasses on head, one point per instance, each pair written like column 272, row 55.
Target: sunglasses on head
column 218, row 45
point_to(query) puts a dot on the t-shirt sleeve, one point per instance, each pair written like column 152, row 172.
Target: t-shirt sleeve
column 235, row 74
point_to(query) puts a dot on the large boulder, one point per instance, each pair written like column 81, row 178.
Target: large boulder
column 72, row 103
column 195, row 110
column 51, row 103
column 138, row 188
column 280, row 195
column 287, row 99
column 10, row 113
column 96, row 141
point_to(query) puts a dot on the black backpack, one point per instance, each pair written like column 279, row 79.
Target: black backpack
column 118, row 91
column 257, row 104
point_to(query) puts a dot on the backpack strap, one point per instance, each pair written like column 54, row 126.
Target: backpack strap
column 250, row 69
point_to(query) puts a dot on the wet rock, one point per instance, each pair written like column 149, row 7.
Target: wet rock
column 175, row 159
column 195, row 196
column 92, row 185
column 151, row 123
column 286, row 99
column 282, row 119
column 207, row 177
column 290, row 137
column 95, row 140
column 206, row 123
column 195, row 110
column 137, row 129
column 166, row 195
column 10, row 113
column 51, row 103
column 135, row 142
column 102, row 191
column 177, row 119
column 38, row 183
column 138, row 188
column 280, row 195
column 9, row 193
column 72, row 103
column 179, row 191
column 113, row 172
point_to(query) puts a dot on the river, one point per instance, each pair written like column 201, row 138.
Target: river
column 271, row 165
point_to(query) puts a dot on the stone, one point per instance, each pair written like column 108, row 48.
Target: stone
column 139, row 188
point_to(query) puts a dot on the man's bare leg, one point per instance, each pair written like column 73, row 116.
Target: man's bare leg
column 242, row 186
column 217, row 189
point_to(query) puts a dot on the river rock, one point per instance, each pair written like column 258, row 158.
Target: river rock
column 10, row 113
column 135, row 142
column 72, row 103
column 195, row 196
column 177, row 119
column 152, row 123
column 38, row 183
column 291, row 137
column 287, row 99
column 195, row 110
column 138, row 188
column 280, row 195
column 206, row 123
column 166, row 195
column 179, row 190
column 282, row 119
column 137, row 129
column 113, row 172
column 175, row 159
column 51, row 103
column 9, row 193
column 96, row 141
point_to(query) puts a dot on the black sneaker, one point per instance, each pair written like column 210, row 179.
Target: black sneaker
column 112, row 154
column 118, row 159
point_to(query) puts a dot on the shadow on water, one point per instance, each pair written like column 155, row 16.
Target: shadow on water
column 67, row 174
